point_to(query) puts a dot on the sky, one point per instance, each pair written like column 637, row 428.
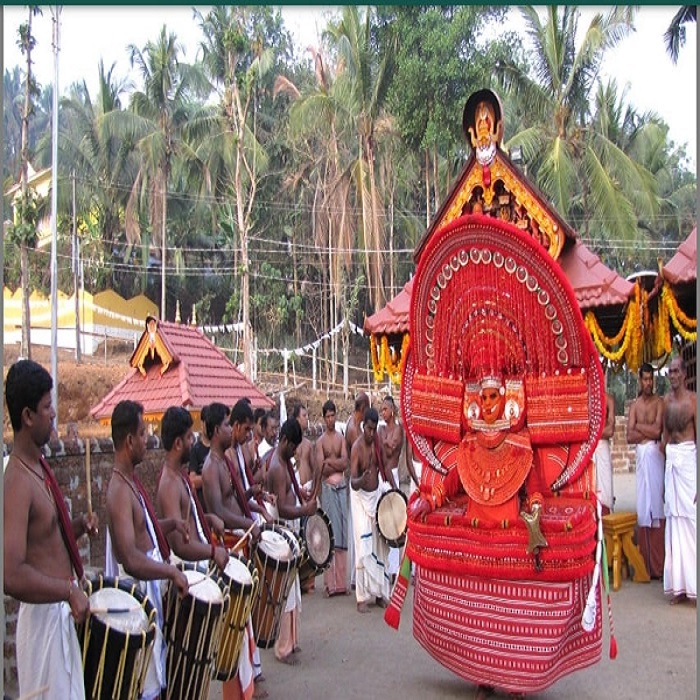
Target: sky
column 90, row 33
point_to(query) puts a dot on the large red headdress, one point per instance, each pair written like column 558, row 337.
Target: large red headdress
column 489, row 301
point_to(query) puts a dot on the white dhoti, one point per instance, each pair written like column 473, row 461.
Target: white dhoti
column 680, row 563
column 650, row 485
column 371, row 549
column 48, row 652
column 604, row 473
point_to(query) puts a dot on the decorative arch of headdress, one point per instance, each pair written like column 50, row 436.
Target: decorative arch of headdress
column 488, row 300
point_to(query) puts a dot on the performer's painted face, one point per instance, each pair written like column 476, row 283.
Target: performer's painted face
column 492, row 402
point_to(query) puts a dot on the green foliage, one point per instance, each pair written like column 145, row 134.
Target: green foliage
column 340, row 144
column 27, row 211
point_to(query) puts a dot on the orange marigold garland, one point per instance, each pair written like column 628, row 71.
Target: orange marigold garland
column 385, row 359
column 682, row 323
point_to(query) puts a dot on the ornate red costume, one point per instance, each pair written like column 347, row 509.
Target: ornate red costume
column 502, row 395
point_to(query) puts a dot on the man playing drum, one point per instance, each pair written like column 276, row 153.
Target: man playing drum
column 371, row 549
column 136, row 540
column 40, row 550
column 309, row 476
column 176, row 499
column 391, row 439
column 332, row 462
column 283, row 483
column 226, row 493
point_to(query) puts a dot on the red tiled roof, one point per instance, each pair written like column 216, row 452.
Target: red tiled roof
column 682, row 267
column 594, row 283
column 199, row 374
column 393, row 318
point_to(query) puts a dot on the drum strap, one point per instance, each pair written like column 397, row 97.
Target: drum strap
column 162, row 543
column 235, row 482
column 295, row 483
column 63, row 518
column 249, row 474
column 206, row 530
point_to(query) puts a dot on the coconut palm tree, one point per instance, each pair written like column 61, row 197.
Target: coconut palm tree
column 366, row 76
column 675, row 34
column 162, row 119
column 579, row 167
column 235, row 59
column 107, row 163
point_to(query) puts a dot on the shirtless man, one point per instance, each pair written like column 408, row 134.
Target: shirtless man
column 353, row 429
column 354, row 424
column 225, row 494
column 176, row 499
column 644, row 430
column 309, row 476
column 603, row 459
column 136, row 540
column 290, row 508
column 371, row 549
column 40, row 569
column 679, row 442
column 391, row 439
column 332, row 462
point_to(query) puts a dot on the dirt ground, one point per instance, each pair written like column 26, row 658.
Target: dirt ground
column 348, row 656
column 81, row 386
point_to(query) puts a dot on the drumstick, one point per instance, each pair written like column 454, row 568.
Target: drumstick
column 113, row 611
column 242, row 540
column 34, row 693
column 87, row 475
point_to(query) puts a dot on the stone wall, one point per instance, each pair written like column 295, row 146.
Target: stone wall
column 68, row 463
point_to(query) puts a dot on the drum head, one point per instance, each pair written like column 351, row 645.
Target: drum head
column 319, row 539
column 203, row 587
column 119, row 610
column 392, row 517
column 238, row 571
column 275, row 545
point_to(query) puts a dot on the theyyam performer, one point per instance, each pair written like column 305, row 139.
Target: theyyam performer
column 503, row 401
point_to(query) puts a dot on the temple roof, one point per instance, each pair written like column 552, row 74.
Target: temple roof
column 682, row 267
column 594, row 283
column 177, row 365
column 392, row 318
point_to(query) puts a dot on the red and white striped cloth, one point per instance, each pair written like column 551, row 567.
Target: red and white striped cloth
column 519, row 636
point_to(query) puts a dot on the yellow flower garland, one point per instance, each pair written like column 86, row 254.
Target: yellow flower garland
column 680, row 320
column 385, row 360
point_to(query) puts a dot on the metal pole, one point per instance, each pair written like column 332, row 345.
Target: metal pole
column 54, row 214
column 76, row 278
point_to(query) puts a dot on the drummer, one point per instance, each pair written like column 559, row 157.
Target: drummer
column 283, row 482
column 177, row 499
column 309, row 476
column 391, row 439
column 227, row 492
column 41, row 559
column 136, row 540
column 367, row 483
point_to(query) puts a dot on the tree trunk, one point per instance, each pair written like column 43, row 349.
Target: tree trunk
column 26, row 345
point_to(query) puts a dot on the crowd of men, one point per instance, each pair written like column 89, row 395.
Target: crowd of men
column 664, row 432
column 244, row 471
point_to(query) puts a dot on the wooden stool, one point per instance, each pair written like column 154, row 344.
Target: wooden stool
column 618, row 529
